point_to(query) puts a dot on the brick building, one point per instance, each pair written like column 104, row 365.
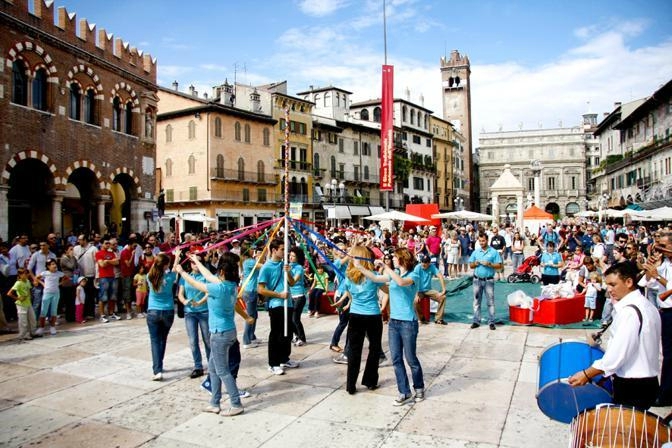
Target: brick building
column 78, row 131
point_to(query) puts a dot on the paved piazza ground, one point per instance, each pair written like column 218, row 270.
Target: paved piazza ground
column 90, row 386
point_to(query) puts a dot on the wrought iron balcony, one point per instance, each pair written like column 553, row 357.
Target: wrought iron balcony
column 244, row 176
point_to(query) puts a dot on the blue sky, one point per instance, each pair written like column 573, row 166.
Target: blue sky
column 533, row 62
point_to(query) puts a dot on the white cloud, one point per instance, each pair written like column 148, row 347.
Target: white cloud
column 320, row 8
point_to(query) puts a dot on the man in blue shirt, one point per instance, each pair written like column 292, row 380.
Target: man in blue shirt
column 271, row 285
column 425, row 271
column 485, row 261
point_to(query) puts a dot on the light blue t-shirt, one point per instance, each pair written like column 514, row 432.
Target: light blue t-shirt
column 193, row 295
column 402, row 297
column 341, row 266
column 489, row 255
column 221, row 306
column 272, row 276
column 364, row 296
column 299, row 288
column 551, row 258
column 162, row 299
column 248, row 267
column 425, row 276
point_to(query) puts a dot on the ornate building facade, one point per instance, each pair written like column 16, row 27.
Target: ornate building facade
column 78, row 130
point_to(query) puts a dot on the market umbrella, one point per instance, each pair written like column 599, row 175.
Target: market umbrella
column 394, row 215
column 464, row 214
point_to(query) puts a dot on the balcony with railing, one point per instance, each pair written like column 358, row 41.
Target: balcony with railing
column 355, row 177
column 295, row 165
column 243, row 176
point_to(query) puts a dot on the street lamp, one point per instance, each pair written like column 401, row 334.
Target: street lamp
column 341, row 188
column 602, row 205
column 459, row 204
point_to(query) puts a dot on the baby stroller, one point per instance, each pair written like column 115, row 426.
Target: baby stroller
column 524, row 271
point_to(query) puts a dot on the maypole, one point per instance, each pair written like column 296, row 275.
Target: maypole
column 285, row 158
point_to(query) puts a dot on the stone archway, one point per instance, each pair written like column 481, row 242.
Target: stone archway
column 552, row 208
column 124, row 191
column 30, row 198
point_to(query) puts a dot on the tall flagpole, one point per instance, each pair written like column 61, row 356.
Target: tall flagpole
column 285, row 158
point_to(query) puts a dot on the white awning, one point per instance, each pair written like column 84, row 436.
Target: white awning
column 337, row 212
column 197, row 217
column 375, row 210
column 359, row 210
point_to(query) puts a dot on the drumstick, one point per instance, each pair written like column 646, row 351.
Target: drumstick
column 664, row 295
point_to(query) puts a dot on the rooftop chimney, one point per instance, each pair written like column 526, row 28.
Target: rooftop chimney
column 192, row 90
column 175, row 85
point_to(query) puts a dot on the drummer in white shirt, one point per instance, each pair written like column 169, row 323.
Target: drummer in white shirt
column 631, row 358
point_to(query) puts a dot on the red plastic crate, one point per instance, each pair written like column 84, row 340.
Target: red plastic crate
column 324, row 306
column 559, row 311
column 520, row 315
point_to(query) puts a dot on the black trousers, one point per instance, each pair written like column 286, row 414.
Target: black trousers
column 279, row 345
column 359, row 327
column 665, row 392
column 638, row 392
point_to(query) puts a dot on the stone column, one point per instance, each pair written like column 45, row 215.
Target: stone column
column 521, row 211
column 102, row 227
column 495, row 209
column 4, row 213
column 57, row 212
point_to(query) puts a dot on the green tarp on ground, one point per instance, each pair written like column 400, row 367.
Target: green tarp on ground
column 460, row 299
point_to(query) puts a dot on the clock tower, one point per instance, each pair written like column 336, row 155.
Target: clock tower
column 456, row 90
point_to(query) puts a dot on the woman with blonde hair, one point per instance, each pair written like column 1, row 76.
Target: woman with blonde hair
column 365, row 320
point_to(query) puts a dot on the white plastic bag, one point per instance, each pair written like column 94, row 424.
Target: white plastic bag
column 566, row 290
column 520, row 299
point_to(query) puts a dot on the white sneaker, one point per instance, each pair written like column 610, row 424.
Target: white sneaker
column 52, row 331
column 252, row 344
column 244, row 393
column 299, row 343
column 290, row 364
column 129, row 316
column 115, row 317
column 294, row 339
column 104, row 319
column 276, row 370
column 157, row 377
column 39, row 331
column 140, row 315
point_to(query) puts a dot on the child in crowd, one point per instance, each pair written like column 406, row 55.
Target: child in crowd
column 593, row 286
column 140, row 283
column 80, row 299
column 51, row 280
column 20, row 292
column 319, row 286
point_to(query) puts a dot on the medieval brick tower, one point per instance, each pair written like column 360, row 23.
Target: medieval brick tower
column 456, row 91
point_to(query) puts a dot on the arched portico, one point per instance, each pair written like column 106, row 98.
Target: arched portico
column 507, row 186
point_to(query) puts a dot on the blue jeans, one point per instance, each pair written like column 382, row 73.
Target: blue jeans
column 36, row 295
column 481, row 287
column 299, row 304
column 517, row 260
column 403, row 336
column 219, row 369
column 158, row 324
column 193, row 321
column 251, row 305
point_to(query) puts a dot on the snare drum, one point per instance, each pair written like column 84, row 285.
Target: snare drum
column 555, row 397
column 615, row 426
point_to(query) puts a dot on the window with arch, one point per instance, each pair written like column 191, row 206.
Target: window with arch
column 261, row 175
column 192, row 164
column 75, row 101
column 218, row 127
column 338, row 99
column 364, row 115
column 376, row 114
column 248, row 132
column 169, row 167
column 90, row 106
column 241, row 169
column 236, row 131
column 332, row 167
column 220, row 166
column 128, row 118
column 326, row 99
column 169, row 134
column 412, row 116
column 267, row 137
column 40, row 89
column 19, row 83
column 116, row 114
column 192, row 129
column 426, row 122
column 317, row 98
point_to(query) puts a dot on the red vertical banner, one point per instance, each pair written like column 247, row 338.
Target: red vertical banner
column 387, row 130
